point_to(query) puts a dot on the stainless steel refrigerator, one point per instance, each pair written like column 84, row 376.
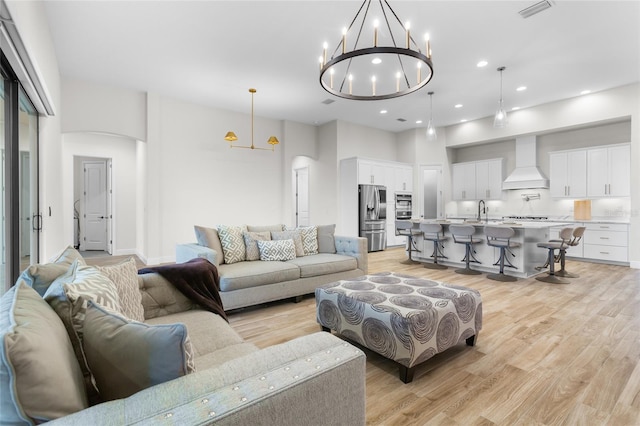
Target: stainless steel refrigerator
column 372, row 223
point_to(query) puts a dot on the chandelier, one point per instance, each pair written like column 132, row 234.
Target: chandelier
column 231, row 136
column 363, row 71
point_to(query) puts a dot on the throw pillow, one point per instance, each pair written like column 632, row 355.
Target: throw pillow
column 263, row 228
column 291, row 235
column 250, row 241
column 232, row 243
column 40, row 379
column 72, row 314
column 125, row 276
column 277, row 250
column 68, row 256
column 326, row 238
column 309, row 239
column 208, row 237
column 126, row 357
column 40, row 277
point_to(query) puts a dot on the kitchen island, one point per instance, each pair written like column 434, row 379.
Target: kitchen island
column 525, row 258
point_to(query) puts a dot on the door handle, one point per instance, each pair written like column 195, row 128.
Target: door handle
column 101, row 217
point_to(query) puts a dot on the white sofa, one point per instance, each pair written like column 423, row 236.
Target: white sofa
column 248, row 283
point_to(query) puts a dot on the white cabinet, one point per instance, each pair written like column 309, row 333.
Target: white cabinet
column 403, row 177
column 463, row 181
column 489, row 179
column 609, row 171
column 607, row 242
column 568, row 174
column 477, row 180
column 371, row 173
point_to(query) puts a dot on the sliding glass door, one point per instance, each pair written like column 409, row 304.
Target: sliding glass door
column 21, row 221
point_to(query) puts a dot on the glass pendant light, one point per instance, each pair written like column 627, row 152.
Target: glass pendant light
column 431, row 130
column 500, row 119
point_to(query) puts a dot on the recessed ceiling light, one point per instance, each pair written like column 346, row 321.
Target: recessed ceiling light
column 384, row 111
column 521, row 88
column 585, row 92
column 482, row 63
column 457, row 106
column 464, row 120
column 515, row 108
column 376, row 61
column 418, row 121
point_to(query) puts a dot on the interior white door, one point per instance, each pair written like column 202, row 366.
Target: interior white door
column 302, row 196
column 95, row 205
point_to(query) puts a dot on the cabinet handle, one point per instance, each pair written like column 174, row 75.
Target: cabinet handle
column 604, row 227
column 604, row 252
column 569, row 190
column 604, row 238
column 488, row 193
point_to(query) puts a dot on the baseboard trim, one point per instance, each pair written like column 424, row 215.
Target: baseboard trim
column 634, row 264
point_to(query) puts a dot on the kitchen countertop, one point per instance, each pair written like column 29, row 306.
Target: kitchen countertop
column 514, row 224
column 560, row 219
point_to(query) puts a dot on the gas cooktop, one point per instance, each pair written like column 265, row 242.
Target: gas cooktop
column 526, row 217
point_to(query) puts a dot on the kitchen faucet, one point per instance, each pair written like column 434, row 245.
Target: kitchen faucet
column 484, row 210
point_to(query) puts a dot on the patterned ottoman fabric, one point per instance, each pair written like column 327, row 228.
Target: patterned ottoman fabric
column 403, row 318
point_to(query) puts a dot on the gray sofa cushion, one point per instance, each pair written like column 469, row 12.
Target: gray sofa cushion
column 323, row 264
column 208, row 237
column 326, row 239
column 252, row 274
column 213, row 341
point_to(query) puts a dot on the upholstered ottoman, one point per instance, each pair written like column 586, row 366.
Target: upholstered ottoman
column 403, row 318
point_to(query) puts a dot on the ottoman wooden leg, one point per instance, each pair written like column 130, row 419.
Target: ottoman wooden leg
column 471, row 341
column 406, row 374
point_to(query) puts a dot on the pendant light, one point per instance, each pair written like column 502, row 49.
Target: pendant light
column 500, row 119
column 431, row 130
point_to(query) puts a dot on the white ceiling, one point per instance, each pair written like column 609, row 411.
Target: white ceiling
column 212, row 52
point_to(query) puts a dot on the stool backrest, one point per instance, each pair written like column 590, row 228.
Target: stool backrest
column 433, row 229
column 404, row 224
column 462, row 233
column 577, row 235
column 499, row 232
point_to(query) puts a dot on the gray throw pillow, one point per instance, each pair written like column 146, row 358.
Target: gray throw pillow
column 251, row 242
column 126, row 357
column 208, row 237
column 326, row 238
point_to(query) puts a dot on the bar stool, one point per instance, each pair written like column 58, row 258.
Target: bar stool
column 433, row 232
column 575, row 240
column 552, row 246
column 500, row 237
column 463, row 234
column 405, row 227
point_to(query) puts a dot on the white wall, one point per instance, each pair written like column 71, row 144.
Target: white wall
column 123, row 153
column 31, row 22
column 94, row 108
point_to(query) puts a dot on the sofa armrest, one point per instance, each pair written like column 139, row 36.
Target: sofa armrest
column 313, row 380
column 356, row 247
column 186, row 252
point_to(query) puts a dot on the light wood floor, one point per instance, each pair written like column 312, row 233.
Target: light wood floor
column 547, row 354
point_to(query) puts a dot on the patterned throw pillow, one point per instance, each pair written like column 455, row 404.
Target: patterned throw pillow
column 125, row 276
column 251, row 242
column 296, row 236
column 277, row 250
column 232, row 243
column 309, row 239
column 145, row 355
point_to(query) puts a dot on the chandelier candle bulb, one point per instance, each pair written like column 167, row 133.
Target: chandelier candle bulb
column 351, row 84
column 419, row 72
column 373, row 84
column 344, row 40
column 428, row 51
column 324, row 53
column 407, row 25
column 375, row 33
column 398, row 81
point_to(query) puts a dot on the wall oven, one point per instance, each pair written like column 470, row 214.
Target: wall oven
column 403, row 205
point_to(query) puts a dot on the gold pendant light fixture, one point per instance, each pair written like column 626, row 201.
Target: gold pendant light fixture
column 361, row 71
column 231, row 136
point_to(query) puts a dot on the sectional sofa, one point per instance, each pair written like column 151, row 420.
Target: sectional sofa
column 176, row 364
column 248, row 278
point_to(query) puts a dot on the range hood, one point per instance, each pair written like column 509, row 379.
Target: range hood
column 526, row 175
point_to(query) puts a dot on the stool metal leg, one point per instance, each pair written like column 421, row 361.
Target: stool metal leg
column 410, row 260
column 551, row 277
column 563, row 272
column 466, row 270
column 501, row 276
column 435, row 264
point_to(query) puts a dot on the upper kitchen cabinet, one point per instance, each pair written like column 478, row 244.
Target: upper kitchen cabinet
column 609, row 171
column 568, row 171
column 403, row 178
column 371, row 173
column 477, row 180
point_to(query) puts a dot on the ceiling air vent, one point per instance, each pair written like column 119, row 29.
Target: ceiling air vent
column 328, row 101
column 536, row 8
column 402, row 120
